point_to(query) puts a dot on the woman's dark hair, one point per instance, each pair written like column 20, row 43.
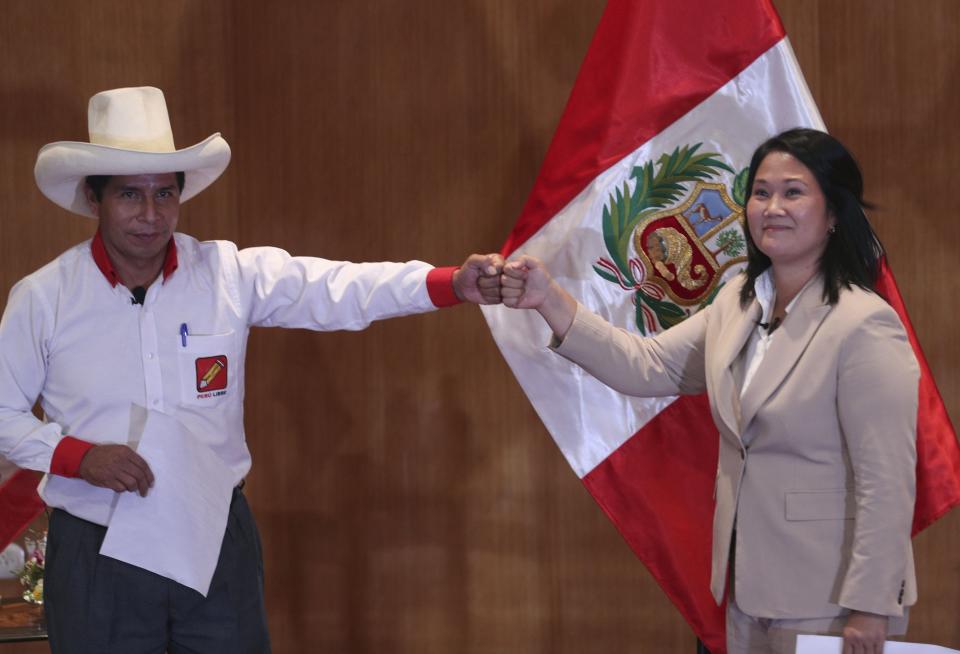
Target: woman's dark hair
column 853, row 252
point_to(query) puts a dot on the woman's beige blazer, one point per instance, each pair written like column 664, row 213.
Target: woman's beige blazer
column 817, row 461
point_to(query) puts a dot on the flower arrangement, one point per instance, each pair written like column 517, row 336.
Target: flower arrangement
column 31, row 576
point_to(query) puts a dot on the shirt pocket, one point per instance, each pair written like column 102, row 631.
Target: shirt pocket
column 207, row 366
column 836, row 504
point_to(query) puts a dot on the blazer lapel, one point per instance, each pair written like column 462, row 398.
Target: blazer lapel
column 731, row 341
column 792, row 338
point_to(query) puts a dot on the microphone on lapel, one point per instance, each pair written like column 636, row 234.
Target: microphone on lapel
column 139, row 295
column 770, row 326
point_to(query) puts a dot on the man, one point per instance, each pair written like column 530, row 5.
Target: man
column 145, row 326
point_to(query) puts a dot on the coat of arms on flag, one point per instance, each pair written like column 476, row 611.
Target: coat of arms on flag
column 673, row 257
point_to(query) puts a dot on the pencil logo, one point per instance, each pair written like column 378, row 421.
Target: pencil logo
column 211, row 373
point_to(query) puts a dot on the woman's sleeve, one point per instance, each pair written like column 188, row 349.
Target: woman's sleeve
column 669, row 363
column 877, row 406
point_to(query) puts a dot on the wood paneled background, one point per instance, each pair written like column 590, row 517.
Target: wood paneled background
column 408, row 497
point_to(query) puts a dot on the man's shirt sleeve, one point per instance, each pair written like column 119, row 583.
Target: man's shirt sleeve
column 68, row 455
column 25, row 330
column 440, row 287
column 312, row 293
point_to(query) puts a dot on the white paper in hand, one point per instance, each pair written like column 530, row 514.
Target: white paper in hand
column 834, row 645
column 176, row 530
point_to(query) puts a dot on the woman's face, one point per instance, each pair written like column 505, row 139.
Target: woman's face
column 787, row 212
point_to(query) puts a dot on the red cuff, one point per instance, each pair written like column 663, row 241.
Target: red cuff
column 67, row 457
column 440, row 287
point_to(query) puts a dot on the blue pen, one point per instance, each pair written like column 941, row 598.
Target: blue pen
column 183, row 334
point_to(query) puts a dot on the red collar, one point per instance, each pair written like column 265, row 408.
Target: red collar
column 102, row 259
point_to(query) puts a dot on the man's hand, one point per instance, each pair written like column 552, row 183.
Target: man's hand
column 116, row 467
column 864, row 633
column 478, row 279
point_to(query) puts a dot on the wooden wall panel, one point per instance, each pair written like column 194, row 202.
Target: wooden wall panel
column 435, row 514
column 408, row 497
column 884, row 75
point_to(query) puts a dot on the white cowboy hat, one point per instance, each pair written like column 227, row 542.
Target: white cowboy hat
column 129, row 135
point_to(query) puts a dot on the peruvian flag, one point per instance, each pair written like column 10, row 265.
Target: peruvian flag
column 19, row 502
column 637, row 212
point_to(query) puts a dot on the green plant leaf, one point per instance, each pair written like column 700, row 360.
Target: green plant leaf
column 668, row 313
column 606, row 274
column 638, row 304
column 740, row 187
column 614, row 218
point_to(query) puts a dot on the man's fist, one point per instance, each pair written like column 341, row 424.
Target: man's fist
column 116, row 467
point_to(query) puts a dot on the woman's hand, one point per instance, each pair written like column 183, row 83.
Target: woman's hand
column 864, row 633
column 526, row 284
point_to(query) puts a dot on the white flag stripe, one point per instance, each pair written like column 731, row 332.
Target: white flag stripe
column 587, row 419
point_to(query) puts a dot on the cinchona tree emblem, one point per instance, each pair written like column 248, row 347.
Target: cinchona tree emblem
column 670, row 239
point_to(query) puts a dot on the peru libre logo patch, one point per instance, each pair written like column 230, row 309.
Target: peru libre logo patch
column 211, row 376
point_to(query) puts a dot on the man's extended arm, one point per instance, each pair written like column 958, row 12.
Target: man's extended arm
column 279, row 290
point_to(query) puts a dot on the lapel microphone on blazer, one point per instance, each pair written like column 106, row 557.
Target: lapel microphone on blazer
column 769, row 326
column 139, row 295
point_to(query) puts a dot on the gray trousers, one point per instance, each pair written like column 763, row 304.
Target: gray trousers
column 95, row 604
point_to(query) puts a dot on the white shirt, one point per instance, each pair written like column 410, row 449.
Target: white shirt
column 761, row 337
column 89, row 354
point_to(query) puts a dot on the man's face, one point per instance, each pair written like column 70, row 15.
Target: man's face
column 138, row 215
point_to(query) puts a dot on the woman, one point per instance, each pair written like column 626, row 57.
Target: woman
column 813, row 387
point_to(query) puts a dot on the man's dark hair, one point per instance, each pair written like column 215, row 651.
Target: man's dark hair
column 853, row 252
column 98, row 182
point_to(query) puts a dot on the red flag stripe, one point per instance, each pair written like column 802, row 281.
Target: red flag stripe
column 657, row 489
column 619, row 102
column 19, row 504
column 938, row 453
